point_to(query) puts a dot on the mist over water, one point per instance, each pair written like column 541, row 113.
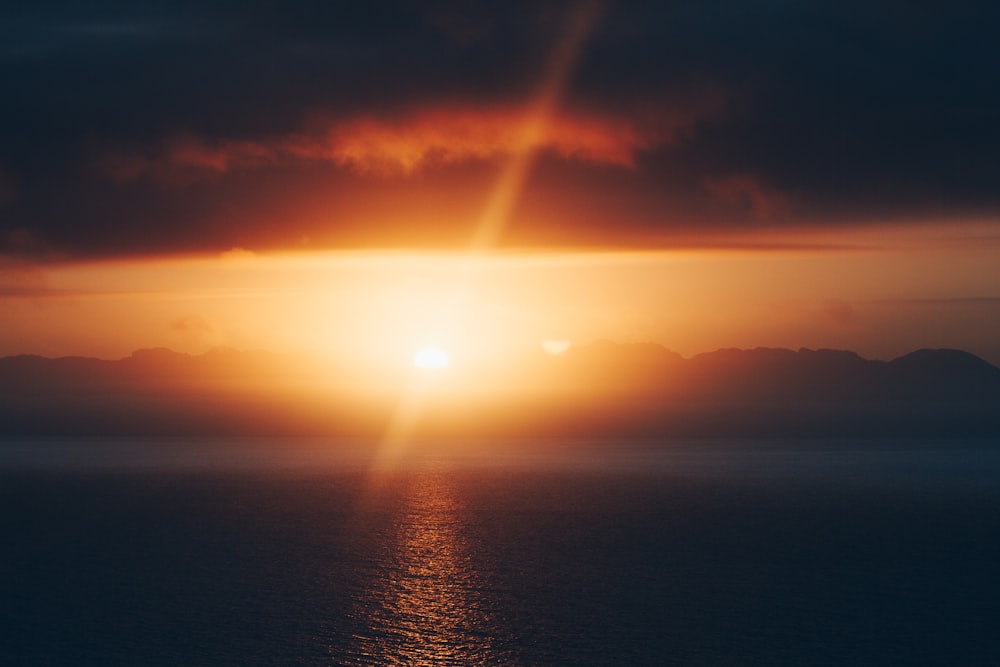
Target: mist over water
column 262, row 551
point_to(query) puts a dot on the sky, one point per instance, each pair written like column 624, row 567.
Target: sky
column 361, row 178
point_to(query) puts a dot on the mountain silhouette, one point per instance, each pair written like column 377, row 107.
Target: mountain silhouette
column 608, row 389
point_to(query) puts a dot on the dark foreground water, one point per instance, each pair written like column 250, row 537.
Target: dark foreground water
column 226, row 553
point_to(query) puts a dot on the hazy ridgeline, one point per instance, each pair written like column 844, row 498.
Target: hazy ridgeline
column 622, row 390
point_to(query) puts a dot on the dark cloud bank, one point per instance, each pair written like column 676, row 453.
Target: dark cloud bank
column 723, row 115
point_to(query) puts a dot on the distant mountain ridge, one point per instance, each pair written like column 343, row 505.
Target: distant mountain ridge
column 627, row 390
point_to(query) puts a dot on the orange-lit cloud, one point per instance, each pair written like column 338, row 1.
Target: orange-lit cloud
column 237, row 254
column 422, row 138
column 196, row 332
column 193, row 324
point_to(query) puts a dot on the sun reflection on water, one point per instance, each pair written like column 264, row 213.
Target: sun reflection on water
column 426, row 604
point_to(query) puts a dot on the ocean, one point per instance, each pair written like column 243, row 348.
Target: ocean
column 298, row 552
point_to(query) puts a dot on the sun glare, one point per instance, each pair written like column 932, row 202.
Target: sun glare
column 430, row 357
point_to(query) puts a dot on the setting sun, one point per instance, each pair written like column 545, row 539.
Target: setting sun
column 430, row 357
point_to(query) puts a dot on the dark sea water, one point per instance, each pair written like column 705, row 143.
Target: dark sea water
column 253, row 552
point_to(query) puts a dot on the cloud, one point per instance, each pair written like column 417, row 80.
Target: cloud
column 185, row 157
column 27, row 292
column 237, row 254
column 25, row 278
column 22, row 242
column 337, row 121
column 196, row 331
column 840, row 312
column 749, row 193
column 192, row 324
column 403, row 144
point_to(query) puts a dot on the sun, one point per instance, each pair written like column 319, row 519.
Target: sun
column 430, row 357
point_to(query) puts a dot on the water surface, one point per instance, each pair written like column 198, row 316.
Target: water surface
column 279, row 552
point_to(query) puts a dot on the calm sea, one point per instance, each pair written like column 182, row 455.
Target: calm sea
column 271, row 552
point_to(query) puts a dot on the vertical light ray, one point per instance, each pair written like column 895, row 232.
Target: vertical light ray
column 534, row 127
column 496, row 214
column 401, row 424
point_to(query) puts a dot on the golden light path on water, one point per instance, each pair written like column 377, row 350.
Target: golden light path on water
column 426, row 603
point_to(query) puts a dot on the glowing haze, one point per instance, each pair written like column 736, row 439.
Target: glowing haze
column 376, row 308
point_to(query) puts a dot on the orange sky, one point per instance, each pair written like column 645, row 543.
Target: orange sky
column 881, row 294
